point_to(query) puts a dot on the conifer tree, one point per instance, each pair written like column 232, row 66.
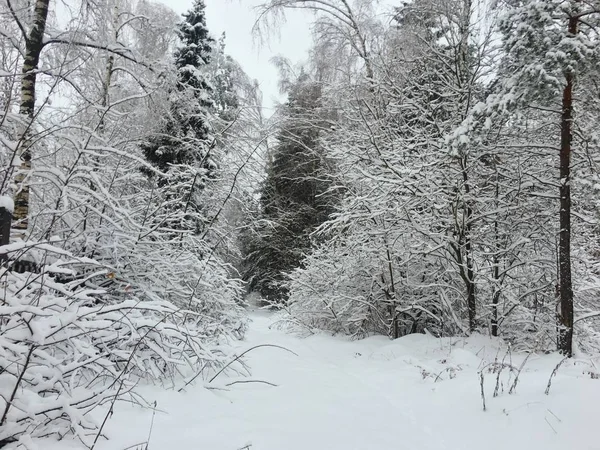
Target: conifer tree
column 224, row 70
column 551, row 48
column 190, row 99
column 182, row 145
column 194, row 54
column 294, row 197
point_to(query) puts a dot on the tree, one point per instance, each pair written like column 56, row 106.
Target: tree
column 187, row 119
column 450, row 68
column 549, row 48
column 34, row 44
column 294, row 198
column 341, row 21
column 32, row 22
column 194, row 53
column 447, row 231
column 223, row 73
column 184, row 141
column 123, row 291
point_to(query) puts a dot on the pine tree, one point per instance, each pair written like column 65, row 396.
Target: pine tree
column 550, row 48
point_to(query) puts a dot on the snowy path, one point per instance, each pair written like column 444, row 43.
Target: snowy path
column 414, row 393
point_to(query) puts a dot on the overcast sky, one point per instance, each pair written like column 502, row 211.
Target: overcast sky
column 236, row 18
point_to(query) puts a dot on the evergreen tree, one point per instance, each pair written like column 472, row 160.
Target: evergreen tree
column 551, row 51
column 184, row 137
column 182, row 146
column 224, row 72
column 294, row 197
column 195, row 52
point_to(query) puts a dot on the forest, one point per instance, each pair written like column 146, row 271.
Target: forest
column 432, row 171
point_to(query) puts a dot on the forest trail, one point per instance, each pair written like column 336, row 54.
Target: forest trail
column 417, row 393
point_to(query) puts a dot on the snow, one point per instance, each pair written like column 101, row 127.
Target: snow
column 416, row 392
column 7, row 203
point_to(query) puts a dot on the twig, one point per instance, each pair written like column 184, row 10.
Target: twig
column 481, row 378
column 555, row 416
column 546, row 419
column 553, row 374
column 10, row 401
column 193, row 378
column 139, row 445
column 251, row 381
column 439, row 375
column 151, row 425
column 513, row 387
column 500, row 368
column 121, row 377
column 243, row 353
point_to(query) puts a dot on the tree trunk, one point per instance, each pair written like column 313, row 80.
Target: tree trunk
column 565, row 337
column 466, row 244
column 496, row 263
column 464, row 82
column 395, row 329
column 33, row 48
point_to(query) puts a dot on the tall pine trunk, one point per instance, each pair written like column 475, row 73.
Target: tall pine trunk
column 565, row 337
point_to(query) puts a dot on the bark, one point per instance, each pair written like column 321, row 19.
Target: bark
column 395, row 329
column 496, row 262
column 565, row 337
column 464, row 81
column 33, row 48
column 468, row 246
column 360, row 43
column 110, row 65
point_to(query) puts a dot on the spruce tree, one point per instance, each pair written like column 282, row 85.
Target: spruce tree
column 294, row 199
column 195, row 52
column 226, row 102
column 184, row 137
column 182, row 145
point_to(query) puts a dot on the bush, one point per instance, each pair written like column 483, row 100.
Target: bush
column 68, row 347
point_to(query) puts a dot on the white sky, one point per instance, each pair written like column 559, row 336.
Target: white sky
column 236, row 18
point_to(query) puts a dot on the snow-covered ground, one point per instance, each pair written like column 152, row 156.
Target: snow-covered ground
column 417, row 392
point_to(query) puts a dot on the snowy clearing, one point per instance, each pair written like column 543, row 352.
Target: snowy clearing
column 417, row 392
